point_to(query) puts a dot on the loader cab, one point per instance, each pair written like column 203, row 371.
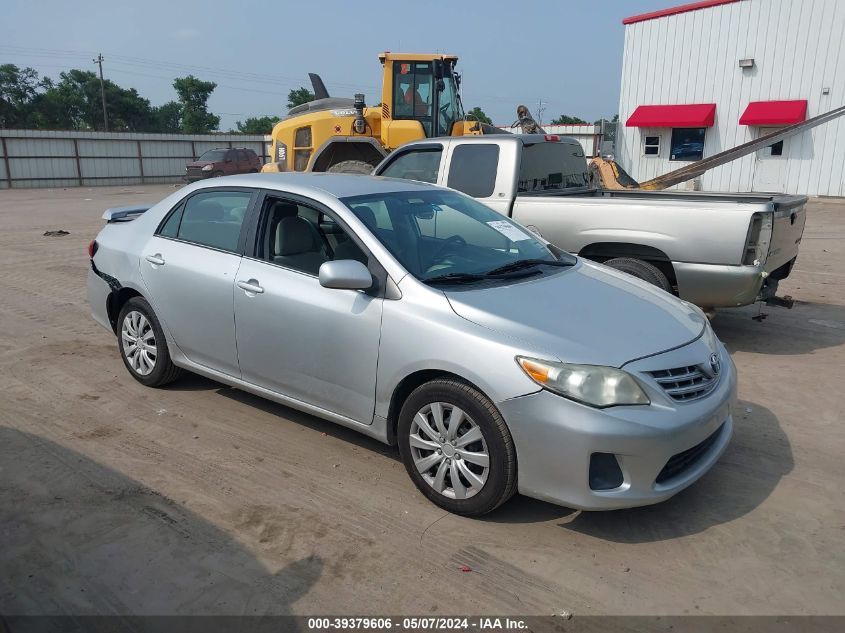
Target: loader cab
column 423, row 89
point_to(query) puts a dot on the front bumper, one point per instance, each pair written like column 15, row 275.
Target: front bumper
column 556, row 437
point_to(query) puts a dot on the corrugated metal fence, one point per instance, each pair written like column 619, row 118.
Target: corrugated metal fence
column 40, row 158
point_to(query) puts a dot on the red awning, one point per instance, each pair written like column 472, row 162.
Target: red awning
column 774, row 113
column 688, row 115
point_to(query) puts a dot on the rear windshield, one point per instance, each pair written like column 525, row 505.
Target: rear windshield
column 552, row 165
column 214, row 155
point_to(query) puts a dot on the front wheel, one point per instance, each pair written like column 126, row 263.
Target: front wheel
column 143, row 347
column 457, row 448
column 351, row 167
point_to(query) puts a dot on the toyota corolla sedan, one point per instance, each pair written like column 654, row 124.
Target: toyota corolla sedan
column 422, row 318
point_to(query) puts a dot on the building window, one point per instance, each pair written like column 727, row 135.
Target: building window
column 687, row 143
column 777, row 149
column 651, row 147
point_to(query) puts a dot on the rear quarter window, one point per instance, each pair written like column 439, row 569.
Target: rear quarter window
column 552, row 165
column 473, row 169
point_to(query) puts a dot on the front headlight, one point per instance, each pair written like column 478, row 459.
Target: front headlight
column 594, row 385
column 207, row 167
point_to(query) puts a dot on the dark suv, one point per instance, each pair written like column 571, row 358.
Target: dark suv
column 223, row 162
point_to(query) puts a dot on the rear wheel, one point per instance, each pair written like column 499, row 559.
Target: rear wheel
column 351, row 167
column 457, row 448
column 143, row 347
column 642, row 270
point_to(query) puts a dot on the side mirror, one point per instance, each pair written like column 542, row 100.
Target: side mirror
column 345, row 273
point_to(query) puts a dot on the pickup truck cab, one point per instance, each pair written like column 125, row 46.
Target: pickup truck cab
column 711, row 249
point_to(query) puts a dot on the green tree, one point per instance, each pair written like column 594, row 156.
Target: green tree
column 477, row 114
column 299, row 96
column 257, row 125
column 168, row 118
column 193, row 98
column 75, row 103
column 565, row 119
column 18, row 88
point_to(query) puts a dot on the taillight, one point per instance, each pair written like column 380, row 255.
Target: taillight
column 552, row 137
column 759, row 237
column 92, row 249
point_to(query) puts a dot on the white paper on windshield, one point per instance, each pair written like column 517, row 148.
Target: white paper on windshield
column 508, row 230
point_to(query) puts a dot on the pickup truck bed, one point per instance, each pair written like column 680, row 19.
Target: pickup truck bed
column 714, row 249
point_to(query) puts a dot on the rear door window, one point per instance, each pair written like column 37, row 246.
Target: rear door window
column 423, row 164
column 473, row 169
column 214, row 219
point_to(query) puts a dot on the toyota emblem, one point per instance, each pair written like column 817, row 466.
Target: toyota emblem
column 715, row 364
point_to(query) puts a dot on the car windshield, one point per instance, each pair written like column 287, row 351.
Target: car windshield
column 214, row 155
column 446, row 235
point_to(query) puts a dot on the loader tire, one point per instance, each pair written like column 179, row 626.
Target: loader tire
column 642, row 270
column 351, row 167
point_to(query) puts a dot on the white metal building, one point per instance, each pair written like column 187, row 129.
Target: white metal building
column 704, row 77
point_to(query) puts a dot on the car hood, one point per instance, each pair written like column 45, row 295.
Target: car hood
column 587, row 314
column 200, row 163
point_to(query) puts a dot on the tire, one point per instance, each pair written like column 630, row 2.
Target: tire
column 351, row 167
column 137, row 319
column 641, row 270
column 484, row 431
column 217, row 174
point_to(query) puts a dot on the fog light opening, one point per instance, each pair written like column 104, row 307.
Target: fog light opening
column 605, row 473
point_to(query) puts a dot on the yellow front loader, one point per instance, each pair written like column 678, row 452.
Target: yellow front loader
column 420, row 98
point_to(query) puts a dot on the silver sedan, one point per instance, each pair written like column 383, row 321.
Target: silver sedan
column 420, row 317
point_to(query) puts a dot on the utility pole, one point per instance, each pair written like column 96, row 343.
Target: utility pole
column 540, row 109
column 99, row 60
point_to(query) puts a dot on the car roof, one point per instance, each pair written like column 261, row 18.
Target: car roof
column 337, row 185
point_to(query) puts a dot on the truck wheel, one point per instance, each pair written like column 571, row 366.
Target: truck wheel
column 351, row 167
column 457, row 448
column 642, row 270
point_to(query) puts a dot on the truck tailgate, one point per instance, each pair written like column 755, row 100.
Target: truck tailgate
column 787, row 229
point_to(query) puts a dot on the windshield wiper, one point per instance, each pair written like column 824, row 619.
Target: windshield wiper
column 521, row 264
column 462, row 278
column 456, row 278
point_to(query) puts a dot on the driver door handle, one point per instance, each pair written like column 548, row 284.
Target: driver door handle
column 155, row 260
column 250, row 286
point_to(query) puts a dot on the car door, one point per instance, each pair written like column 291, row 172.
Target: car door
column 314, row 344
column 230, row 163
column 189, row 268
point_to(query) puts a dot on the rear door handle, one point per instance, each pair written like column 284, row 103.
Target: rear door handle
column 156, row 260
column 250, row 286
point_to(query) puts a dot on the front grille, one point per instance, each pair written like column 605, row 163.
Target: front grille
column 677, row 464
column 685, row 383
column 195, row 172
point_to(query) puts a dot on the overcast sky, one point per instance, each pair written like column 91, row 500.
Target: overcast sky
column 567, row 53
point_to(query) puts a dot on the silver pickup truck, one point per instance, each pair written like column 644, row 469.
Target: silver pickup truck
column 712, row 249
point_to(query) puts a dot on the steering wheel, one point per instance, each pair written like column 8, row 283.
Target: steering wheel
column 450, row 243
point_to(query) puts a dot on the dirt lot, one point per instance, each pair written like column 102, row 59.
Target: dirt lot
column 198, row 498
